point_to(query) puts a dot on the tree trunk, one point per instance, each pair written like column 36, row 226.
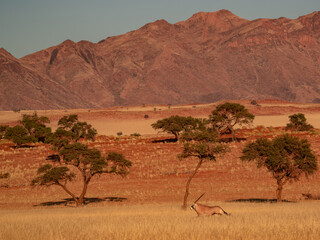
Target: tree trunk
column 84, row 190
column 188, row 185
column 71, row 194
column 279, row 191
column 233, row 133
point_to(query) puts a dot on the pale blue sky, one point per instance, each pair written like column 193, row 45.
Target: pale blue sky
column 27, row 26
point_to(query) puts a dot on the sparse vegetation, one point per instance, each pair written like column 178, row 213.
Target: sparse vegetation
column 19, row 135
column 4, row 175
column 36, row 126
column 33, row 130
column 3, row 129
column 71, row 154
column 286, row 157
column 228, row 115
column 135, row 135
column 263, row 221
column 298, row 122
column 202, row 145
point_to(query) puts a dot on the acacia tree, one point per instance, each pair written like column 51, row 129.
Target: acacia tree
column 36, row 126
column 33, row 129
column 201, row 145
column 74, row 155
column 298, row 122
column 286, row 157
column 228, row 115
column 177, row 124
column 19, row 135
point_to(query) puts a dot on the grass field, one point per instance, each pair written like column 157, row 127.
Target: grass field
column 248, row 221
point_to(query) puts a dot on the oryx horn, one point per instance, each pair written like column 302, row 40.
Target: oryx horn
column 199, row 197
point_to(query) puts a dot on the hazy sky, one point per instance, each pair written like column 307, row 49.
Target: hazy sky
column 27, row 26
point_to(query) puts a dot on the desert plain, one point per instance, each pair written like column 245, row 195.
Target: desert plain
column 146, row 204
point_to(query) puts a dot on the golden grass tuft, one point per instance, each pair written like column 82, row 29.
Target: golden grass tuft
column 248, row 221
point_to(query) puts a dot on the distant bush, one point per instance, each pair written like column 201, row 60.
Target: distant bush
column 135, row 135
column 4, row 175
column 119, row 134
column 298, row 122
column 146, row 116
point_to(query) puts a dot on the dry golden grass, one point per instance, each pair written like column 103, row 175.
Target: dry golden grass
column 248, row 221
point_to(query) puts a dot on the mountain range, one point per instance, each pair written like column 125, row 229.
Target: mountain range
column 209, row 57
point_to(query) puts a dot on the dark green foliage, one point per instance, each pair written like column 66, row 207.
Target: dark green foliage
column 73, row 153
column 177, row 124
column 228, row 115
column 19, row 135
column 286, row 157
column 70, row 129
column 118, row 164
column 135, row 135
column 36, row 126
column 298, row 122
column 50, row 175
column 3, row 129
column 33, row 129
column 202, row 150
column 200, row 135
column 77, row 130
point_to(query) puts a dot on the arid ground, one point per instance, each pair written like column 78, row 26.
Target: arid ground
column 157, row 176
column 148, row 200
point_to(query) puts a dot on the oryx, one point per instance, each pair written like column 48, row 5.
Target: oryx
column 204, row 210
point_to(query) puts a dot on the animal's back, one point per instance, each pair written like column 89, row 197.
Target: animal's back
column 210, row 210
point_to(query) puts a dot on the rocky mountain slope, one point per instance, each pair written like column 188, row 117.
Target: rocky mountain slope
column 209, row 57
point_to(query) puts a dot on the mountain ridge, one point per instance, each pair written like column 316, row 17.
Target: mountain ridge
column 208, row 57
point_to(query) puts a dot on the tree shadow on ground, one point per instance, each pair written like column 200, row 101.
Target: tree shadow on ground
column 229, row 139
column 259, row 200
column 71, row 202
column 22, row 146
column 167, row 140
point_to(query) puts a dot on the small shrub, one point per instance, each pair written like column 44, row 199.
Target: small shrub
column 135, row 135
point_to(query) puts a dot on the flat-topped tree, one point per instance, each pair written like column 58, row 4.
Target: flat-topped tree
column 285, row 157
column 228, row 115
column 177, row 124
column 71, row 130
column 72, row 154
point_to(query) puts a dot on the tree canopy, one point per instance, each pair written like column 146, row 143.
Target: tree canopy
column 33, row 129
column 19, row 135
column 73, row 154
column 227, row 115
column 298, row 122
column 285, row 157
column 70, row 129
column 36, row 126
column 200, row 144
column 177, row 124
